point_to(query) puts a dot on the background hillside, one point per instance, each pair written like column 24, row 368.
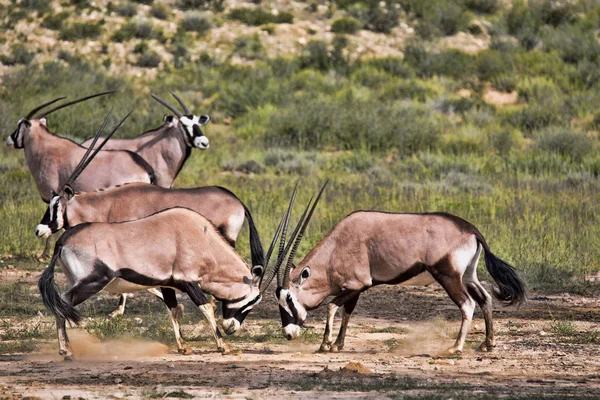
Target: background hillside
column 487, row 109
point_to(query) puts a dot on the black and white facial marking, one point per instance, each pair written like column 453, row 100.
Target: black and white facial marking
column 53, row 219
column 192, row 124
column 16, row 138
column 235, row 311
column 293, row 314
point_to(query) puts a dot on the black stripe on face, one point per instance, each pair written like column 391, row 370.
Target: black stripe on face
column 293, row 309
column 197, row 131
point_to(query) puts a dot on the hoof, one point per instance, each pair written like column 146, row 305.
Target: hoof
column 337, row 348
column 70, row 358
column 486, row 347
column 450, row 352
column 186, row 351
column 325, row 348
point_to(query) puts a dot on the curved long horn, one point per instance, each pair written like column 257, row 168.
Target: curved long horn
column 280, row 254
column 181, row 102
column 286, row 271
column 46, row 104
column 88, row 151
column 164, row 103
column 70, row 103
column 91, row 157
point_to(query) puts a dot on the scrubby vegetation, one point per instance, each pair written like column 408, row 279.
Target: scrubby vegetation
column 429, row 131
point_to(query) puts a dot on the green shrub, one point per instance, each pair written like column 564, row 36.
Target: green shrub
column 374, row 16
column 80, row 30
column 257, row 16
column 370, row 77
column 140, row 29
column 148, row 59
column 249, row 46
column 126, row 9
column 316, row 55
column 191, row 4
column 160, row 11
column 572, row 43
column 565, row 142
column 55, row 21
column 392, row 65
column 483, row 6
column 438, row 18
column 492, row 63
column 41, row 6
column 555, row 12
column 20, row 55
column 534, row 117
column 346, row 25
column 452, row 63
column 194, row 21
column 412, row 89
column 505, row 83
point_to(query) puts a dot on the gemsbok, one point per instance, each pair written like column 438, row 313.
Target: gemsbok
column 138, row 200
column 370, row 248
column 175, row 248
column 168, row 147
column 52, row 159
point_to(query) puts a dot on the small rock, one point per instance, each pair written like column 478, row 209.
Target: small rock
column 560, row 354
column 542, row 333
column 118, row 380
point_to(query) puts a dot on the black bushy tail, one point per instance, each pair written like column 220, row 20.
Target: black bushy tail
column 50, row 295
column 256, row 250
column 511, row 289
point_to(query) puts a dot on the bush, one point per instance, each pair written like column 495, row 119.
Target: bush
column 565, row 142
column 554, row 12
column 20, row 55
column 126, row 9
column 504, row 83
column 393, row 66
column 80, row 30
column 160, row 11
column 375, row 17
column 257, row 16
column 41, row 6
column 412, row 89
column 483, row 6
column 191, row 4
column 195, row 22
column 438, row 18
column 452, row 63
column 249, row 46
column 534, row 117
column 55, row 21
column 370, row 77
column 140, row 29
column 492, row 63
column 346, row 25
column 572, row 43
column 316, row 55
column 148, row 60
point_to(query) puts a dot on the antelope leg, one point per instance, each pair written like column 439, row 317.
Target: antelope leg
column 168, row 296
column 346, row 312
column 120, row 310
column 328, row 336
column 64, row 347
column 209, row 313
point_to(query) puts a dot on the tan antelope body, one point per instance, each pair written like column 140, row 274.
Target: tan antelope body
column 168, row 147
column 369, row 248
column 138, row 200
column 52, row 159
column 176, row 248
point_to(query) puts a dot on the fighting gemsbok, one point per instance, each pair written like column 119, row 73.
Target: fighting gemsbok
column 138, row 200
column 369, row 248
column 168, row 147
column 175, row 248
column 52, row 159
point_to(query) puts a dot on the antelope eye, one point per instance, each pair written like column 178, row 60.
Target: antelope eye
column 305, row 273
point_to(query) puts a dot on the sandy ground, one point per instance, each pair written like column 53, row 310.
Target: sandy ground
column 391, row 352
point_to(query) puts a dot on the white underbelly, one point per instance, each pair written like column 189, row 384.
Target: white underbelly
column 423, row 279
column 120, row 285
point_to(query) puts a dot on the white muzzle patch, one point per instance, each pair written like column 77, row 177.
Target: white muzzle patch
column 201, row 142
column 291, row 331
column 230, row 325
column 42, row 231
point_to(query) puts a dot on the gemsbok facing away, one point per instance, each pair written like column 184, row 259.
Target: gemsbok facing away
column 168, row 147
column 369, row 248
column 52, row 159
column 138, row 200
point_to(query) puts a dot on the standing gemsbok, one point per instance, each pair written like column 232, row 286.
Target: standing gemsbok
column 52, row 159
column 168, row 147
column 138, row 200
column 175, row 248
column 369, row 248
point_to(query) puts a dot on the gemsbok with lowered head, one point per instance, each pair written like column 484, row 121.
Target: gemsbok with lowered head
column 168, row 147
column 138, row 200
column 370, row 248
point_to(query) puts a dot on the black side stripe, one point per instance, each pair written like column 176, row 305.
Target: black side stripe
column 139, row 160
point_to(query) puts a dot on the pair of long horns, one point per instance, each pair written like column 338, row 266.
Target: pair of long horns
column 170, row 107
column 31, row 113
column 283, row 277
column 89, row 156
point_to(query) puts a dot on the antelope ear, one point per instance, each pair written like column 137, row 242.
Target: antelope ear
column 203, row 119
column 44, row 121
column 69, row 192
column 168, row 118
column 257, row 274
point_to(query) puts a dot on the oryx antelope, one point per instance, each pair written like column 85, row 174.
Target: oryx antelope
column 52, row 159
column 369, row 248
column 168, row 147
column 138, row 200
